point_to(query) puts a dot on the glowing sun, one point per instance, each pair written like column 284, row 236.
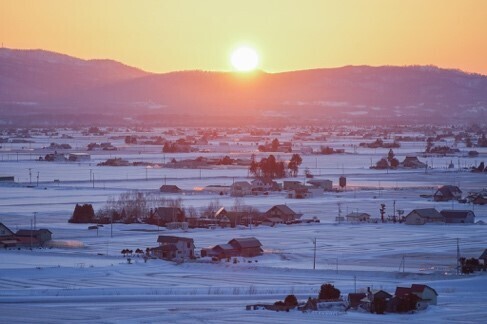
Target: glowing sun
column 245, row 59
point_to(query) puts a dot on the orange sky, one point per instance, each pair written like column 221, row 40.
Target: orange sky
column 166, row 35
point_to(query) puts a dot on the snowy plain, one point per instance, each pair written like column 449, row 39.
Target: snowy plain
column 86, row 279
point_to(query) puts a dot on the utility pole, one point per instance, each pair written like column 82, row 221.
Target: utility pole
column 31, row 230
column 93, row 179
column 458, row 256
column 402, row 264
column 394, row 206
column 355, row 284
column 37, row 178
column 35, row 220
column 314, row 254
column 30, row 175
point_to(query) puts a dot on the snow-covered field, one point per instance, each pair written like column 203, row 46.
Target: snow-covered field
column 87, row 279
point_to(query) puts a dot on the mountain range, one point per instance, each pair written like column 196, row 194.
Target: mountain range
column 41, row 87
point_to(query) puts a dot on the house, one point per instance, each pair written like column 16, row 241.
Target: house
column 170, row 189
column 404, row 301
column 240, row 189
column 326, row 185
column 220, row 251
column 425, row 293
column 458, row 216
column 478, row 198
column 423, row 216
column 292, row 184
column 376, row 301
column 7, row 237
column 233, row 218
column 299, row 193
column 165, row 215
column 412, row 162
column 283, row 212
column 40, row 236
column 447, row 193
column 173, row 248
column 264, row 184
column 356, row 217
column 247, row 247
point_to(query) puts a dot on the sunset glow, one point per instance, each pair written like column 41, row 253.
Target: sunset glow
column 163, row 36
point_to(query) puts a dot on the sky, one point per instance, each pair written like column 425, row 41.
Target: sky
column 166, row 35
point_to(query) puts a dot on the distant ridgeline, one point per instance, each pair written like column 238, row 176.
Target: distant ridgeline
column 46, row 88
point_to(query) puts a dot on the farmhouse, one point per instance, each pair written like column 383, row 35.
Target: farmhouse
column 425, row 293
column 423, row 216
column 446, row 193
column 174, row 248
column 356, row 217
column 40, row 236
column 299, row 193
column 240, row 189
column 247, row 247
column 233, row 218
column 220, row 251
column 264, row 184
column 458, row 216
column 7, row 237
column 283, row 212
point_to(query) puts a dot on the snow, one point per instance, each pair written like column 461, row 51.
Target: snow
column 85, row 278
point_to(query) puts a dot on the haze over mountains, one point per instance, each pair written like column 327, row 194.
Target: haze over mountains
column 39, row 87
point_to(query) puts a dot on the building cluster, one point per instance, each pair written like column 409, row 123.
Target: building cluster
column 431, row 216
column 179, row 249
column 404, row 300
column 175, row 217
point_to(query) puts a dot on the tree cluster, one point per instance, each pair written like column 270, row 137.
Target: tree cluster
column 387, row 163
column 83, row 214
column 267, row 167
column 328, row 292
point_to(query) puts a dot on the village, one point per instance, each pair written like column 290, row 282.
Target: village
column 269, row 201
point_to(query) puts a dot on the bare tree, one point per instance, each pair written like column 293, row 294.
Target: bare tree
column 210, row 210
column 192, row 213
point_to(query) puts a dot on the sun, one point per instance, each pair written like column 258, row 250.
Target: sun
column 245, row 59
